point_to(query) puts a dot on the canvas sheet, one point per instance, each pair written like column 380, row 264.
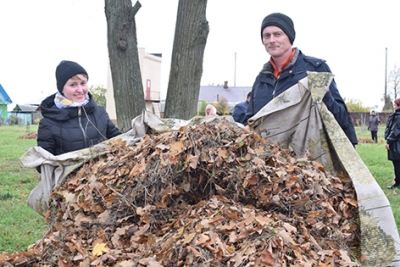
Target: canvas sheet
column 299, row 120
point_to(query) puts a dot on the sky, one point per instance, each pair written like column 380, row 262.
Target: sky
column 360, row 40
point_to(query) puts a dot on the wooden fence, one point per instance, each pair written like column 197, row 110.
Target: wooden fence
column 362, row 118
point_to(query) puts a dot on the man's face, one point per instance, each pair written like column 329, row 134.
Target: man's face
column 276, row 42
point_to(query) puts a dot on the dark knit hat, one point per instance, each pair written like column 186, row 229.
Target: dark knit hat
column 65, row 70
column 282, row 21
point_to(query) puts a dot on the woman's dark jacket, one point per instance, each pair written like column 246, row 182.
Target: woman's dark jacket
column 392, row 135
column 373, row 123
column 73, row 128
column 267, row 86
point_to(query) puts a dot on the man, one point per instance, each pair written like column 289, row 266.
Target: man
column 286, row 67
column 239, row 111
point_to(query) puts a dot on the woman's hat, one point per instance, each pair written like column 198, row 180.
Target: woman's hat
column 65, row 70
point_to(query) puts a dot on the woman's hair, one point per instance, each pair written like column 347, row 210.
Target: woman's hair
column 77, row 76
column 397, row 101
column 211, row 110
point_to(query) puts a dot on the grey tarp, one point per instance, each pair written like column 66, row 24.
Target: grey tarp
column 299, row 120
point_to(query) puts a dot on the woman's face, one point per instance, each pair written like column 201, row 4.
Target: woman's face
column 395, row 106
column 76, row 88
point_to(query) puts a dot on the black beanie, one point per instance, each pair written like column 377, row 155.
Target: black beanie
column 65, row 70
column 282, row 21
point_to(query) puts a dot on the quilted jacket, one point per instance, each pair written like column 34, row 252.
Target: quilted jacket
column 73, row 128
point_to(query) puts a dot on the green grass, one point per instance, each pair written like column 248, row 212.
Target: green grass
column 20, row 226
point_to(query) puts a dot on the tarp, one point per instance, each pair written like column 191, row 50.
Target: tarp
column 297, row 119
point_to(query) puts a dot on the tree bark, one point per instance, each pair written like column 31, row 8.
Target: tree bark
column 124, row 60
column 190, row 39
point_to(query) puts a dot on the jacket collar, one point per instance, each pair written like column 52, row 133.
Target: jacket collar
column 267, row 68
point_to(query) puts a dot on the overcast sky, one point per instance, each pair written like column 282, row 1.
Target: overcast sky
column 352, row 36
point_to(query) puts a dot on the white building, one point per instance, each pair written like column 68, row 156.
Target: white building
column 150, row 68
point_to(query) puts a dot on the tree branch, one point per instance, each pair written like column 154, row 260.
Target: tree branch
column 135, row 9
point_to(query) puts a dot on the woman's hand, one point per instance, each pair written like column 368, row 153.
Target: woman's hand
column 387, row 147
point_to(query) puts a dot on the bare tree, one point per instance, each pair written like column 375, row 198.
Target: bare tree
column 190, row 39
column 394, row 80
column 124, row 60
column 388, row 107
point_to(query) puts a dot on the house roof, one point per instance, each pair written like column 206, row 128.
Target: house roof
column 4, row 98
column 213, row 94
column 24, row 109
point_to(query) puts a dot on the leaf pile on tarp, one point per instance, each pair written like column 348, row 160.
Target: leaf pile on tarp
column 211, row 194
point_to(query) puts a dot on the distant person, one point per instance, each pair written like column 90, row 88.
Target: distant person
column 373, row 125
column 71, row 118
column 211, row 110
column 392, row 137
column 287, row 66
column 239, row 111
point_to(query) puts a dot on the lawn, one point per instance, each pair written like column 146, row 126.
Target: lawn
column 20, row 226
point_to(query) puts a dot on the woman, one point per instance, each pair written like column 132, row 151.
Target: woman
column 211, row 110
column 373, row 125
column 392, row 136
column 71, row 118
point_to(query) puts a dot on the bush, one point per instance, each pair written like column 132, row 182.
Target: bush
column 14, row 120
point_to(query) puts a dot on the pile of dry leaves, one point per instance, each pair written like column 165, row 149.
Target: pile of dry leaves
column 31, row 135
column 208, row 195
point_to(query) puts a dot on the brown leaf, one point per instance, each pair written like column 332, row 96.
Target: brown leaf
column 194, row 251
column 267, row 258
column 203, row 238
column 192, row 161
column 138, row 168
column 177, row 147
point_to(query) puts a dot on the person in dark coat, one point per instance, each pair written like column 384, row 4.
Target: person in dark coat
column 71, row 118
column 239, row 111
column 373, row 125
column 288, row 65
column 392, row 137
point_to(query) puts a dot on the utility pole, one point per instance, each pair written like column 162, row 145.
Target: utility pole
column 234, row 78
column 385, row 74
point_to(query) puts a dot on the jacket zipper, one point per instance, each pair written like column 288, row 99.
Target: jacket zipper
column 80, row 125
column 275, row 86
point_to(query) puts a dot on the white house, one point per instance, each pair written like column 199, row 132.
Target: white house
column 150, row 68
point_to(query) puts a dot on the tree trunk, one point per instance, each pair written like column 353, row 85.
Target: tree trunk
column 190, row 39
column 124, row 60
